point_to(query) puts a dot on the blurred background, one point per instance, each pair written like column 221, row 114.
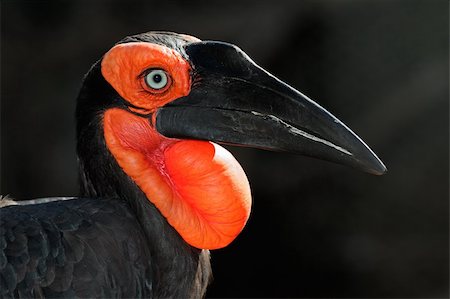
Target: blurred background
column 317, row 229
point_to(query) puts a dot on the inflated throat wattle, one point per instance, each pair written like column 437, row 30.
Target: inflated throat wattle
column 198, row 186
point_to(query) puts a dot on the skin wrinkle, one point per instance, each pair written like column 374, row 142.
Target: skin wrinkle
column 209, row 184
column 206, row 212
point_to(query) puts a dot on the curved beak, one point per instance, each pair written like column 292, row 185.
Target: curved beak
column 234, row 101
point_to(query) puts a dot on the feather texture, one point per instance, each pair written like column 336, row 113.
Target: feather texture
column 79, row 247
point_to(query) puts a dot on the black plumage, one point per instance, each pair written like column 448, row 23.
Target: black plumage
column 74, row 248
column 93, row 248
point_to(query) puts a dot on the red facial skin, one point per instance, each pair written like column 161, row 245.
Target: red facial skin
column 198, row 186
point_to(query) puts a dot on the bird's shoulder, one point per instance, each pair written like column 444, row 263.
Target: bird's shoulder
column 75, row 247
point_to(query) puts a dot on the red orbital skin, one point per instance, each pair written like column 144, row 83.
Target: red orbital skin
column 198, row 186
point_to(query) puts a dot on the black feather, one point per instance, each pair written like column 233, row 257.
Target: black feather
column 83, row 261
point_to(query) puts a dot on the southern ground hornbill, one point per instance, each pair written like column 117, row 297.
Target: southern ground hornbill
column 156, row 192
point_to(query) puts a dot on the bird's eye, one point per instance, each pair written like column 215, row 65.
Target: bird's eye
column 156, row 79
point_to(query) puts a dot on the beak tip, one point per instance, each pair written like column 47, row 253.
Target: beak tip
column 383, row 171
column 380, row 171
column 376, row 167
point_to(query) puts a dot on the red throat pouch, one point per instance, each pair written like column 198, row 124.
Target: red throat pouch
column 198, row 186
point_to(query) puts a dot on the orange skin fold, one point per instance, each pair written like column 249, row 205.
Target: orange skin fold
column 198, row 186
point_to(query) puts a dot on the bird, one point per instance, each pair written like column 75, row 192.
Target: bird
column 158, row 190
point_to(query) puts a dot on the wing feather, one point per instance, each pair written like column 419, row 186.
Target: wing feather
column 73, row 248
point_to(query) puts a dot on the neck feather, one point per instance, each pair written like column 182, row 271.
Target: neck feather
column 179, row 270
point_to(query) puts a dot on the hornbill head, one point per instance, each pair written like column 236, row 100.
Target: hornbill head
column 161, row 99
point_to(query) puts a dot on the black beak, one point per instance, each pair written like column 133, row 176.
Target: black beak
column 234, row 101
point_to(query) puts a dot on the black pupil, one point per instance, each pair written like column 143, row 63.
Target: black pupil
column 157, row 78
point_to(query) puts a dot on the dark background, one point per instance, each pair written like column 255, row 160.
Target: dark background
column 316, row 229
